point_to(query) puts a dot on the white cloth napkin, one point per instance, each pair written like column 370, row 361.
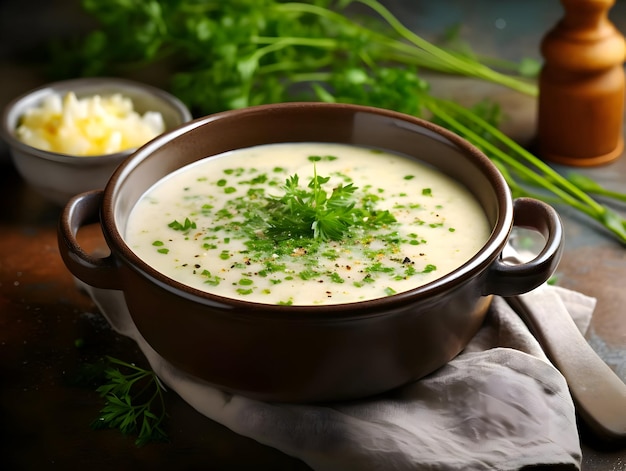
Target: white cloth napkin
column 499, row 405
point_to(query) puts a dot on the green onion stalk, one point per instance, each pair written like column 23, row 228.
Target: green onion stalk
column 518, row 164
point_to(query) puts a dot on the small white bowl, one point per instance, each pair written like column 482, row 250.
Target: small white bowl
column 58, row 176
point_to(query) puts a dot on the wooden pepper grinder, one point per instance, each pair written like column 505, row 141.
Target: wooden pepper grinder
column 581, row 87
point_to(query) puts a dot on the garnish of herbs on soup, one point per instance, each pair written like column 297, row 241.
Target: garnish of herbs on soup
column 306, row 224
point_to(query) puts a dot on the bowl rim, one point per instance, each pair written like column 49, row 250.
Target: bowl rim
column 12, row 111
column 480, row 261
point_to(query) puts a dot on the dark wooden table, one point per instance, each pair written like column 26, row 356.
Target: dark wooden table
column 48, row 329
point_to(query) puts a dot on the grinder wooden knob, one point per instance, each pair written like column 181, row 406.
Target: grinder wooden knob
column 581, row 87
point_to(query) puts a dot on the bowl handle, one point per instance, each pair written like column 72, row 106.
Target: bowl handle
column 98, row 272
column 506, row 279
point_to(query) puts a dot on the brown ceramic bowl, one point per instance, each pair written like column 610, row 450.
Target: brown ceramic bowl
column 309, row 353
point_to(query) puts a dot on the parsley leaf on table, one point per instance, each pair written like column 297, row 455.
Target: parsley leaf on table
column 134, row 402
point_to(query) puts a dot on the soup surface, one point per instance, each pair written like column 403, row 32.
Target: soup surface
column 306, row 224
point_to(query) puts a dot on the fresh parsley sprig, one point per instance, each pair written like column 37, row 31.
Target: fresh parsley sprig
column 313, row 212
column 135, row 403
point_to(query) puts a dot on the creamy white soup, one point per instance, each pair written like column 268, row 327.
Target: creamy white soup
column 306, row 224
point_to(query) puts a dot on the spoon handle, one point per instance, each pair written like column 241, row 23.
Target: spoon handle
column 599, row 394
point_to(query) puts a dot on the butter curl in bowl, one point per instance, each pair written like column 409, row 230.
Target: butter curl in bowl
column 68, row 137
